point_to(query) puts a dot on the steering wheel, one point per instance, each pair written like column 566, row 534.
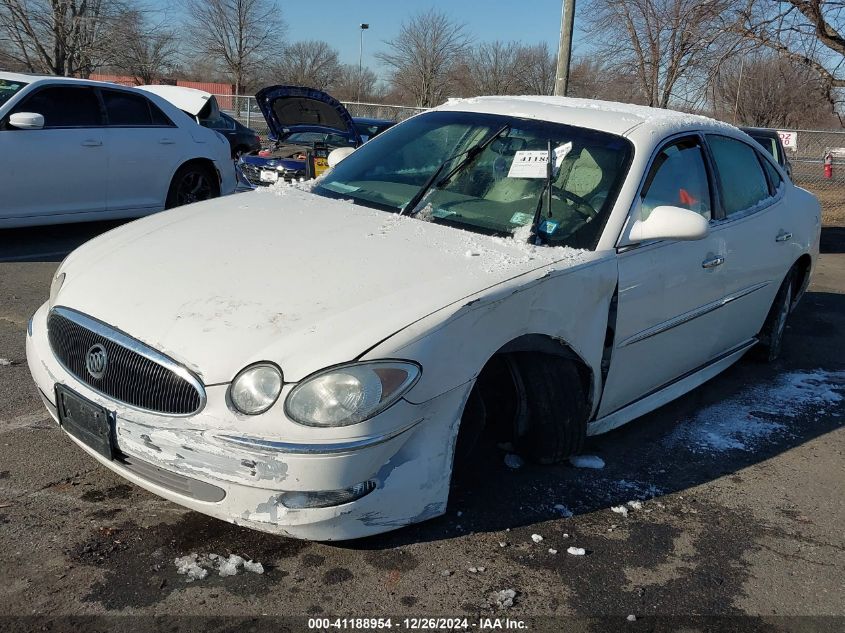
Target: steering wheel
column 580, row 204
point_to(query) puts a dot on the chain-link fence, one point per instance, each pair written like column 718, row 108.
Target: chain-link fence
column 807, row 158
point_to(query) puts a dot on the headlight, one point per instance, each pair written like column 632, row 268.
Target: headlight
column 351, row 393
column 255, row 389
column 55, row 286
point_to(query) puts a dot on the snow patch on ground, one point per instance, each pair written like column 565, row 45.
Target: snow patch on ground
column 587, row 461
column 188, row 566
column 504, row 598
column 197, row 567
column 638, row 489
column 761, row 412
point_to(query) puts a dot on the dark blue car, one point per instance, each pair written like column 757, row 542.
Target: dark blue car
column 298, row 118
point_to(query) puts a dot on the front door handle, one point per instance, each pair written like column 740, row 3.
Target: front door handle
column 91, row 143
column 783, row 236
column 713, row 262
column 166, row 141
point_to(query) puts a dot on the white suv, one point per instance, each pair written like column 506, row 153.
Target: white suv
column 74, row 150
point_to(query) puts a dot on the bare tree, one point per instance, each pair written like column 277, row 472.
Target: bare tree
column 239, row 35
column 536, row 66
column 809, row 32
column 143, row 50
column 59, row 37
column 667, row 44
column 768, row 90
column 351, row 83
column 312, row 63
column 424, row 55
column 489, row 69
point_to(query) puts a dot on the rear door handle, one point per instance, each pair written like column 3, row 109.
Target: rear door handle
column 91, row 143
column 166, row 141
column 783, row 237
column 713, row 262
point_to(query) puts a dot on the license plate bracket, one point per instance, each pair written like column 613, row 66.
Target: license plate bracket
column 86, row 421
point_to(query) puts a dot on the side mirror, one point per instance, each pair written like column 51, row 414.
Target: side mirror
column 337, row 155
column 670, row 223
column 26, row 121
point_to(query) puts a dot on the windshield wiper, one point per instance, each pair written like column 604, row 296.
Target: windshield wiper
column 469, row 155
column 534, row 235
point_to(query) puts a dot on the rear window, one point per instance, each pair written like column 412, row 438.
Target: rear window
column 743, row 184
column 126, row 109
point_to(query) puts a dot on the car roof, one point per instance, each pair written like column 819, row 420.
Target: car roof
column 607, row 116
column 21, row 77
column 33, row 78
column 760, row 131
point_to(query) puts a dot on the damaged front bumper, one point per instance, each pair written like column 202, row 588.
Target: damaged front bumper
column 223, row 465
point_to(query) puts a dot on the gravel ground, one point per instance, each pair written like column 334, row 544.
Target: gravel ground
column 732, row 496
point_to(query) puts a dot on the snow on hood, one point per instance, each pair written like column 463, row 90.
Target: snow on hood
column 284, row 275
column 286, row 108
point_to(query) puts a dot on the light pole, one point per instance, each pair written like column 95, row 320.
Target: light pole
column 363, row 27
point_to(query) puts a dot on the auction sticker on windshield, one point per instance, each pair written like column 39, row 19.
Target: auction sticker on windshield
column 529, row 164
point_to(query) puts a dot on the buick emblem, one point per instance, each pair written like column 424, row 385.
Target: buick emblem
column 96, row 361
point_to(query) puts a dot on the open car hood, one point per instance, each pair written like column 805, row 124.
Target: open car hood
column 290, row 108
column 189, row 100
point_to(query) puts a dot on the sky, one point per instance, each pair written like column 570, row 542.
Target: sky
column 337, row 22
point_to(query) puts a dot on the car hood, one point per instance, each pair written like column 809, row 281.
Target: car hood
column 189, row 100
column 289, row 108
column 283, row 275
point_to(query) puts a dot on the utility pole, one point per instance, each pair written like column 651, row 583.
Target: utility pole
column 363, row 27
column 564, row 53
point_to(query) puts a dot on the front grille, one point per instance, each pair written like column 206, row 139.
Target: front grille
column 135, row 374
column 252, row 173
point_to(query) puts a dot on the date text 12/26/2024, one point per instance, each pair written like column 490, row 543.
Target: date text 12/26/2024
column 417, row 624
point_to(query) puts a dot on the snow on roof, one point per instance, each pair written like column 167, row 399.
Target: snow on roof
column 24, row 79
column 608, row 116
column 30, row 78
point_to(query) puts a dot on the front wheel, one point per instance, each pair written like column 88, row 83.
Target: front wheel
column 771, row 336
column 192, row 183
column 552, row 411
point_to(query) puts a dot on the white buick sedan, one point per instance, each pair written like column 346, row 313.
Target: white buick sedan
column 73, row 150
column 314, row 361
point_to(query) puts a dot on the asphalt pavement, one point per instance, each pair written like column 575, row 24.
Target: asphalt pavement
column 722, row 509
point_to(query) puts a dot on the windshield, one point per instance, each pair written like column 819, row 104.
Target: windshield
column 309, row 138
column 498, row 191
column 9, row 89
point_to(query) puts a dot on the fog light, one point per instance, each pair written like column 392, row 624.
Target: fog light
column 326, row 498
